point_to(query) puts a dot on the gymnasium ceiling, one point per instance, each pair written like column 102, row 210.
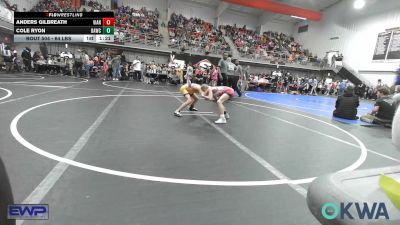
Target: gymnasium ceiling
column 314, row 5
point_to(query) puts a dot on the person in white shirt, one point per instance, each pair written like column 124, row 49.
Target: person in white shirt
column 137, row 68
column 189, row 72
column 314, row 86
column 86, row 64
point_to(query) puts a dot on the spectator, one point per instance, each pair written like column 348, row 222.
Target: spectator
column 342, row 87
column 78, row 63
column 27, row 59
column 179, row 74
column 347, row 104
column 104, row 69
column 361, row 90
column 237, row 75
column 137, row 68
column 7, row 56
column 214, row 73
column 115, row 63
column 383, row 111
column 314, row 85
column 86, row 64
column 189, row 71
column 223, row 70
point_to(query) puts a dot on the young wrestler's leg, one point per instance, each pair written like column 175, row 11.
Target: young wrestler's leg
column 188, row 101
column 195, row 99
column 221, row 108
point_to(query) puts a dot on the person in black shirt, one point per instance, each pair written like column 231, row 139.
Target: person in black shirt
column 361, row 90
column 383, row 111
column 346, row 105
column 27, row 59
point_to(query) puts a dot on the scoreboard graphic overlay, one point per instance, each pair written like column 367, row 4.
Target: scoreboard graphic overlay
column 63, row 27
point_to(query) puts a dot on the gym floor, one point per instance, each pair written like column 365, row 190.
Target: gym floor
column 102, row 153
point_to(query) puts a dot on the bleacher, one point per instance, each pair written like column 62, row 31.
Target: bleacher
column 137, row 26
column 195, row 35
column 141, row 27
column 270, row 46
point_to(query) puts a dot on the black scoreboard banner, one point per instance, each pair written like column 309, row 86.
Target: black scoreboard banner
column 64, row 26
column 382, row 45
column 394, row 48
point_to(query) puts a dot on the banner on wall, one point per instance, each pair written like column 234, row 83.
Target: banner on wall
column 382, row 45
column 388, row 45
column 394, row 48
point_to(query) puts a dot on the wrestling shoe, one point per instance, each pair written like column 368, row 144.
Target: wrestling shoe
column 221, row 120
column 177, row 114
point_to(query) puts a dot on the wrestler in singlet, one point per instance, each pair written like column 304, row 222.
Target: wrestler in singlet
column 188, row 91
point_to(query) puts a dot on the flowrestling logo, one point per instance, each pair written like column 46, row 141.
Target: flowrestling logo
column 363, row 211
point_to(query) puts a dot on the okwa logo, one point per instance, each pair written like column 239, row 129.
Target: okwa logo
column 363, row 210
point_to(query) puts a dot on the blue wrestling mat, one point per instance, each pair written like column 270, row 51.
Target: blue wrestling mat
column 316, row 105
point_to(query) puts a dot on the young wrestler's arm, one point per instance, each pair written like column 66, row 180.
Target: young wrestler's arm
column 210, row 96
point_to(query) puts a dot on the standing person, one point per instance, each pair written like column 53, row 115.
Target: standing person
column 104, row 69
column 86, row 64
column 314, row 85
column 214, row 74
column 342, row 87
column 143, row 71
column 383, row 111
column 189, row 72
column 137, row 68
column 78, row 63
column 361, row 90
column 27, row 59
column 219, row 94
column 246, row 78
column 233, row 80
column 328, row 88
column 188, row 91
column 2, row 48
column 376, row 88
column 347, row 104
column 333, row 87
column 285, row 84
column 115, row 62
column 179, row 74
column 223, row 69
column 7, row 55
column 15, row 62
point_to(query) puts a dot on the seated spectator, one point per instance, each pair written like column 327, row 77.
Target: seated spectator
column 383, row 111
column 346, row 105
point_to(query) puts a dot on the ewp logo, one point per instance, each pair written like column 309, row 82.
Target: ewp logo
column 28, row 212
column 331, row 211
